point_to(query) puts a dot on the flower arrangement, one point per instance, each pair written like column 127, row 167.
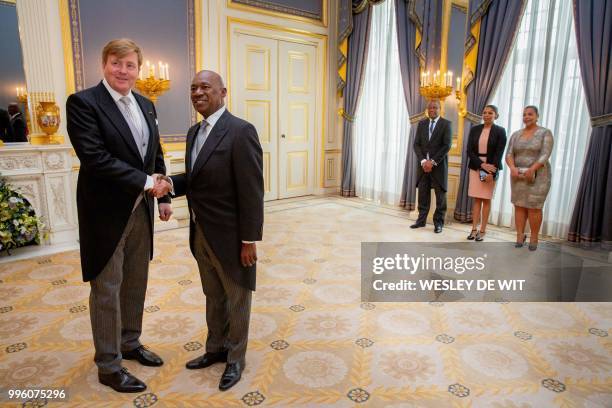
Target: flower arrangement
column 19, row 225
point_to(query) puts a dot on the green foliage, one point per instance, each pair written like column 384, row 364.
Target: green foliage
column 19, row 224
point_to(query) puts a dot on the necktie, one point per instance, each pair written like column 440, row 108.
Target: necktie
column 200, row 138
column 134, row 124
column 431, row 128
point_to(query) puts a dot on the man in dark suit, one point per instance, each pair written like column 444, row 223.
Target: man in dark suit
column 114, row 133
column 18, row 123
column 224, row 187
column 6, row 131
column 431, row 145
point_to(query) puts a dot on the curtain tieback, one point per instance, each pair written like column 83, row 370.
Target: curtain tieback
column 472, row 117
column 417, row 118
column 345, row 115
column 601, row 121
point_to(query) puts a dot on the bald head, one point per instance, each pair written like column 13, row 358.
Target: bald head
column 212, row 76
column 207, row 92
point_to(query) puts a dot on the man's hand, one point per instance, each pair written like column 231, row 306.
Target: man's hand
column 165, row 211
column 248, row 254
column 162, row 187
column 427, row 166
column 514, row 172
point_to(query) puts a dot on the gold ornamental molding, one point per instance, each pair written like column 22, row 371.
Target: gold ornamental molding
column 258, row 10
column 601, row 121
column 418, row 117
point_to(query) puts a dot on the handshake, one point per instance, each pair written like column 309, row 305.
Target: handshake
column 162, row 186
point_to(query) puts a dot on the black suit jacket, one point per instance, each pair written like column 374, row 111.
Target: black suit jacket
column 18, row 124
column 495, row 146
column 225, row 192
column 112, row 172
column 6, row 130
column 437, row 148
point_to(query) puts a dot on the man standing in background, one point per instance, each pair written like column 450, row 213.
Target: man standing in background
column 18, row 123
column 431, row 145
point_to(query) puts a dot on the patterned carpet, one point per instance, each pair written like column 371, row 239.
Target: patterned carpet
column 312, row 343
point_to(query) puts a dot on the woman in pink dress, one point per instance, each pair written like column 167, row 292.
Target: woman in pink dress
column 485, row 149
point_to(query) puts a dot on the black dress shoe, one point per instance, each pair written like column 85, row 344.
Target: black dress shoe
column 231, row 375
column 144, row 356
column 207, row 360
column 417, row 225
column 438, row 229
column 122, row 381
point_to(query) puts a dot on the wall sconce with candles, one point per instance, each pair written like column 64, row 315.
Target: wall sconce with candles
column 437, row 86
column 150, row 85
column 22, row 97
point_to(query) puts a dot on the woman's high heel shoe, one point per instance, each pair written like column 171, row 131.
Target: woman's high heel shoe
column 520, row 244
column 472, row 234
column 480, row 236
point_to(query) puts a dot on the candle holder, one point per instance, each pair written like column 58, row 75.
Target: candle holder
column 152, row 87
column 439, row 87
column 435, row 91
column 22, row 97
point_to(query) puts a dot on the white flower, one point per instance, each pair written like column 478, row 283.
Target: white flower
column 13, row 200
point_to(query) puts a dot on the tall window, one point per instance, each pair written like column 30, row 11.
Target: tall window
column 381, row 124
column 543, row 70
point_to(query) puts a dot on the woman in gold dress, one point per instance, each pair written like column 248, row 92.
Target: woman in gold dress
column 528, row 152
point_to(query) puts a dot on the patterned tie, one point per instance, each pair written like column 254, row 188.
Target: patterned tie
column 431, row 128
column 134, row 124
column 200, row 138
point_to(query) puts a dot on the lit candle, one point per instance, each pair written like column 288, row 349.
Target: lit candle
column 444, row 76
column 167, row 71
column 458, row 84
column 161, row 70
column 148, row 68
column 450, row 79
column 140, row 73
column 153, row 70
column 17, row 89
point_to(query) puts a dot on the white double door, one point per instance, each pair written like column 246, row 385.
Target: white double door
column 272, row 85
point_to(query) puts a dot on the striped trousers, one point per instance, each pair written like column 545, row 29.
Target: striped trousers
column 116, row 300
column 228, row 305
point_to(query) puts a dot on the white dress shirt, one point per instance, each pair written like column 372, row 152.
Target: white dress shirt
column 137, row 115
column 203, row 133
column 435, row 121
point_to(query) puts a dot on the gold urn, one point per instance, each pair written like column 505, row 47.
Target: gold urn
column 48, row 117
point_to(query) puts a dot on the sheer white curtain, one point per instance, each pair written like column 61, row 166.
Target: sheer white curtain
column 381, row 121
column 543, row 70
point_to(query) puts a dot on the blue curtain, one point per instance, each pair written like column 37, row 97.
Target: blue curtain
column 356, row 61
column 410, row 17
column 592, row 216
